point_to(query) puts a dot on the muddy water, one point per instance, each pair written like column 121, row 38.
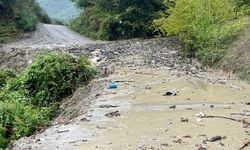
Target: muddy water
column 147, row 120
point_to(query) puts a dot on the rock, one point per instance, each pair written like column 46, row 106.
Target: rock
column 107, row 106
column 113, row 114
column 184, row 120
column 216, row 138
column 148, row 87
column 248, row 103
column 172, row 107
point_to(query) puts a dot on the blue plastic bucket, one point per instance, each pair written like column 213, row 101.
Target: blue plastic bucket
column 112, row 86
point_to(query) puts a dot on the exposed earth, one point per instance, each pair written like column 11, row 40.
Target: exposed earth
column 210, row 107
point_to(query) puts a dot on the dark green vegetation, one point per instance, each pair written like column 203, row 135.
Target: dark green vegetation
column 205, row 27
column 30, row 99
column 117, row 19
column 62, row 10
column 19, row 16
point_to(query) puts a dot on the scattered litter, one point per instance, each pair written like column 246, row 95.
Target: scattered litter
column 200, row 147
column 62, row 131
column 222, row 144
column 165, row 145
column 172, row 107
column 215, row 138
column 112, row 85
column 107, row 106
column 85, row 120
column 211, row 106
column 105, row 72
column 184, row 120
column 148, row 87
column 171, row 93
column 187, row 136
column 99, row 127
column 243, row 121
column 200, row 115
column 179, row 141
column 113, row 114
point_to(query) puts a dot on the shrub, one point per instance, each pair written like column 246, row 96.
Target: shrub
column 111, row 20
column 53, row 76
column 29, row 100
column 203, row 26
column 6, row 75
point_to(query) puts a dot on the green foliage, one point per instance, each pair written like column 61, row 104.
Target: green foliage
column 117, row 19
column 19, row 15
column 7, row 30
column 29, row 100
column 6, row 75
column 204, row 26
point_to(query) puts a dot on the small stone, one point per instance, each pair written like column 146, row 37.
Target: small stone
column 172, row 107
column 184, row 120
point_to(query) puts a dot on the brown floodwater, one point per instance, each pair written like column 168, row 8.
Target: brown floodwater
column 148, row 122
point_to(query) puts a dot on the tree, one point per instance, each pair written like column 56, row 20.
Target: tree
column 203, row 26
column 118, row 19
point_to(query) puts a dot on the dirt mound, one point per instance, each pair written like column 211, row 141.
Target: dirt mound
column 161, row 52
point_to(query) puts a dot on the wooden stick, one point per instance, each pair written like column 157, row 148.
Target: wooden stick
column 228, row 118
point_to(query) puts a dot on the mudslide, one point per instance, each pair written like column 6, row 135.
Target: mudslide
column 139, row 115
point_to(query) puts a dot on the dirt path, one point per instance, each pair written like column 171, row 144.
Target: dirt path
column 136, row 115
column 47, row 37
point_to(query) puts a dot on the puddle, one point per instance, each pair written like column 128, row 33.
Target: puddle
column 148, row 122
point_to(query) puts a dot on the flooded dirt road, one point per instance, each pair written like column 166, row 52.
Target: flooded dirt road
column 136, row 115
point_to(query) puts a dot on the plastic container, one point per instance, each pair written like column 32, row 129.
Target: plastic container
column 112, row 85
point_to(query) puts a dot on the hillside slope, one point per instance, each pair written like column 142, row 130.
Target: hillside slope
column 59, row 9
column 237, row 60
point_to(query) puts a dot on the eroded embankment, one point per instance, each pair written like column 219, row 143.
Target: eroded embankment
column 237, row 59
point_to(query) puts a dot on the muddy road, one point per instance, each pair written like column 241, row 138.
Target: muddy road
column 137, row 115
column 20, row 52
column 47, row 36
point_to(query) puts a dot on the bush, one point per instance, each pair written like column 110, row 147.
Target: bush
column 29, row 100
column 112, row 20
column 203, row 26
column 6, row 75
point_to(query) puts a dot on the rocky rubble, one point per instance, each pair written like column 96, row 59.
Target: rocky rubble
column 160, row 52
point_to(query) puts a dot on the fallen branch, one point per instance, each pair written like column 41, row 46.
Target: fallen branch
column 244, row 122
column 247, row 143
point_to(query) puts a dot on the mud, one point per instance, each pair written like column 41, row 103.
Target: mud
column 145, row 119
column 21, row 52
column 137, row 115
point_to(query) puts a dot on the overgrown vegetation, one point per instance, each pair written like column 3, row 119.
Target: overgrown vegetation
column 19, row 15
column 117, row 19
column 30, row 99
column 205, row 26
